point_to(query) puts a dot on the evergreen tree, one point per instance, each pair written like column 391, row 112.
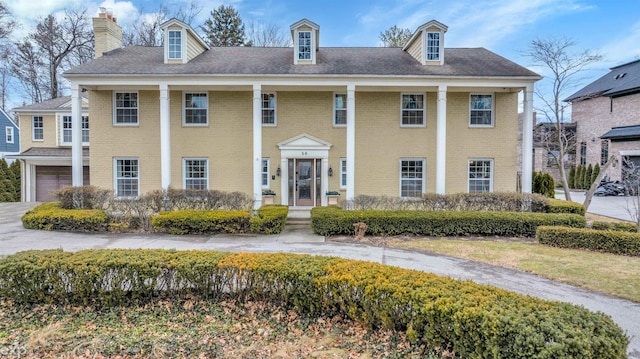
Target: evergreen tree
column 579, row 175
column 596, row 172
column 587, row 177
column 572, row 176
column 14, row 168
column 224, row 27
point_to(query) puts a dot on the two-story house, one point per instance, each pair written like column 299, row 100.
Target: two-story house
column 10, row 140
column 303, row 120
column 46, row 147
column 607, row 114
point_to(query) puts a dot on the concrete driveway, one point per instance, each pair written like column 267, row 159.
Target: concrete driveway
column 612, row 206
column 14, row 238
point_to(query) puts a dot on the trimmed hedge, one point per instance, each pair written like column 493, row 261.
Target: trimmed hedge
column 51, row 217
column 562, row 206
column 328, row 221
column 615, row 242
column 472, row 320
column 269, row 219
column 201, row 222
column 615, row 226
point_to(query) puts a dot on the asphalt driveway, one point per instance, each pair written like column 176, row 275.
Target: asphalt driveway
column 14, row 238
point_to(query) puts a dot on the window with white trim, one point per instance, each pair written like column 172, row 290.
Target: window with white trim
column 343, row 173
column 125, row 108
column 175, row 45
column 196, row 173
column 268, row 108
column 8, row 134
column 67, row 130
column 340, row 109
column 37, row 128
column 196, row 108
column 127, row 177
column 412, row 177
column 433, row 46
column 481, row 110
column 413, row 110
column 480, row 175
column 265, row 172
column 304, row 45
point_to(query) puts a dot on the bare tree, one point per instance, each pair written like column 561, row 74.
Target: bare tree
column 27, row 67
column 395, row 36
column 188, row 14
column 146, row 32
column 556, row 55
column 267, row 35
column 7, row 22
column 5, row 75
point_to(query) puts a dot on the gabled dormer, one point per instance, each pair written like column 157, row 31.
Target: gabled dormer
column 427, row 43
column 306, row 39
column 181, row 43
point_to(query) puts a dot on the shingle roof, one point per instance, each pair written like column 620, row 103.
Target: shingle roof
column 620, row 80
column 622, row 133
column 459, row 62
column 51, row 152
column 48, row 105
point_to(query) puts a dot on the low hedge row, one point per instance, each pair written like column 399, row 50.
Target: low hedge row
column 472, row 320
column 201, row 222
column 616, row 242
column 269, row 219
column 327, row 221
column 52, row 217
column 615, row 226
column 562, row 206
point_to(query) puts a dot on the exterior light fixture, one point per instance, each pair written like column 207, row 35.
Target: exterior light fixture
column 330, row 171
column 278, row 172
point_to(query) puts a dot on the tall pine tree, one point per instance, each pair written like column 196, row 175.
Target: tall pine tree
column 224, row 27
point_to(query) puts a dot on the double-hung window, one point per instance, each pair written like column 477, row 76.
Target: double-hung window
column 175, row 45
column 127, row 177
column 433, row 46
column 480, row 175
column 481, row 110
column 264, row 169
column 583, row 153
column 343, row 173
column 196, row 173
column 413, row 110
column 37, row 127
column 67, row 130
column 604, row 152
column 269, row 109
column 412, row 177
column 9, row 134
column 340, row 109
column 196, row 108
column 125, row 108
column 304, row 45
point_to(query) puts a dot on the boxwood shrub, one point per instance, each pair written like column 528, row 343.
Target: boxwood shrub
column 328, row 221
column 201, row 222
column 562, row 206
column 52, row 217
column 616, row 242
column 615, row 226
column 269, row 219
column 472, row 320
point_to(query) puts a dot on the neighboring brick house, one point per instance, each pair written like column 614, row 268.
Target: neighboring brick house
column 10, row 138
column 607, row 114
column 46, row 147
column 303, row 120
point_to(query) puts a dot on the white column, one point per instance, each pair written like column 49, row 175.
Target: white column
column 257, row 146
column 324, row 181
column 165, row 137
column 284, row 181
column 351, row 144
column 76, row 135
column 527, row 140
column 441, row 140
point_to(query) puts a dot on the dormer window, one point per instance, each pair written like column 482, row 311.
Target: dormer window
column 304, row 45
column 433, row 46
column 427, row 43
column 175, row 45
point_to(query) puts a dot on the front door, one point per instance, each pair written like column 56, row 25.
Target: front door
column 305, row 182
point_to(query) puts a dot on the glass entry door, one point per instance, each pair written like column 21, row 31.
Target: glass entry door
column 304, row 182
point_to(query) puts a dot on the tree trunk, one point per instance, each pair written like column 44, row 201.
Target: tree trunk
column 594, row 185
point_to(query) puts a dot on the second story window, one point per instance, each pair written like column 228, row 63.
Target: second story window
column 413, row 113
column 67, row 130
column 340, row 109
column 304, row 45
column 37, row 128
column 268, row 109
column 433, row 46
column 583, row 153
column 195, row 108
column 9, row 134
column 126, row 108
column 481, row 110
column 175, row 45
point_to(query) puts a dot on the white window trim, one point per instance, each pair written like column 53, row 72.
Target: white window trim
column 493, row 110
column 115, row 176
column 296, row 54
column 343, row 160
column 426, row 46
column 424, row 174
column 8, row 132
column 184, row 169
column 114, row 109
column 61, row 129
column 33, row 129
column 184, row 109
column 424, row 109
column 275, row 109
column 490, row 179
column 267, row 185
column 182, row 47
column 333, row 99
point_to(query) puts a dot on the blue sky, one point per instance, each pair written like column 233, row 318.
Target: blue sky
column 611, row 27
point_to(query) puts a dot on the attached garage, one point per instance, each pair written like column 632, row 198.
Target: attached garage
column 52, row 178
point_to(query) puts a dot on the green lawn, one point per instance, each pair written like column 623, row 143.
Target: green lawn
column 606, row 273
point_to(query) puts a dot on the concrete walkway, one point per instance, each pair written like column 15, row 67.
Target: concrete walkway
column 14, row 238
